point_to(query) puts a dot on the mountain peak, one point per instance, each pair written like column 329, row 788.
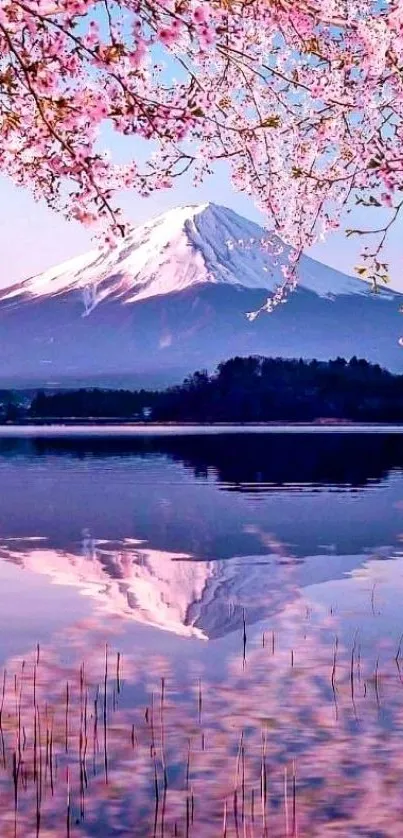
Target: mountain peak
column 189, row 245
column 173, row 297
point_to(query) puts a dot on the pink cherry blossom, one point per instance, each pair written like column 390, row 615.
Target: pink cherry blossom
column 304, row 100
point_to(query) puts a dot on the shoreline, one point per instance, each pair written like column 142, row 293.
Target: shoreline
column 75, row 428
column 78, row 421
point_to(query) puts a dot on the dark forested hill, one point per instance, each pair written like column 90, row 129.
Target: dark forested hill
column 252, row 389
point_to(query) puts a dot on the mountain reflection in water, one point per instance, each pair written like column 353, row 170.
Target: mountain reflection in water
column 167, row 591
column 238, row 668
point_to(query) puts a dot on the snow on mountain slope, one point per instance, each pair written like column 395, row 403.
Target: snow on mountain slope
column 173, row 298
column 187, row 246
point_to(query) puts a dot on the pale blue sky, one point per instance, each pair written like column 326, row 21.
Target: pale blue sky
column 33, row 238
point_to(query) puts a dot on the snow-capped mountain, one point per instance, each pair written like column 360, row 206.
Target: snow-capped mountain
column 174, row 295
column 185, row 247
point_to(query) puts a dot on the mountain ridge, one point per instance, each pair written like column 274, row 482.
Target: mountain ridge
column 189, row 245
column 173, row 297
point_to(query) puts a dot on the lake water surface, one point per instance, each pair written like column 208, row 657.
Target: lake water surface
column 200, row 634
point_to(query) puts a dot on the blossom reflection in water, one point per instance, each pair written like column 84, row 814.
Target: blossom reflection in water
column 302, row 737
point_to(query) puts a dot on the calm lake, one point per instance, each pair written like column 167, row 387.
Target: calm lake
column 200, row 634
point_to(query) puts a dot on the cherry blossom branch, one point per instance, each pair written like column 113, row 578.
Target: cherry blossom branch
column 304, row 101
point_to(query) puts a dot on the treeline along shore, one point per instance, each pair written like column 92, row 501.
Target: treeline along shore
column 242, row 390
